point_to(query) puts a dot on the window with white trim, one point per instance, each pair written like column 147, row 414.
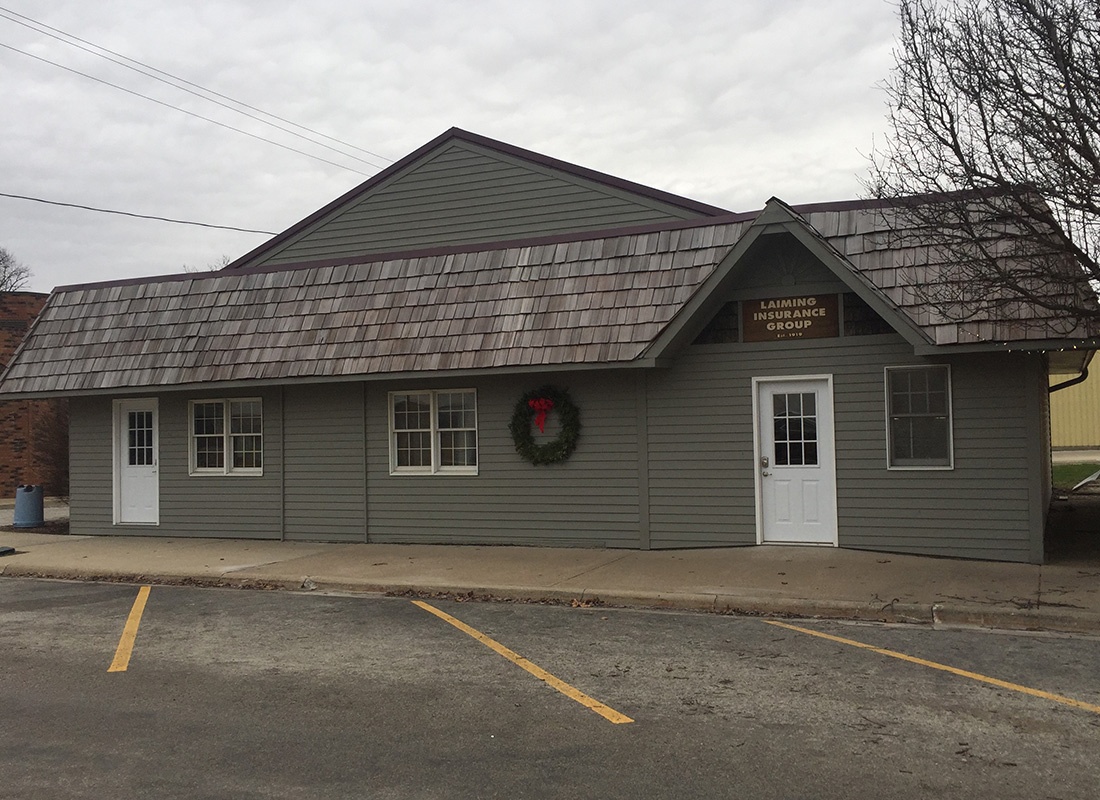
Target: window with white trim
column 918, row 417
column 433, row 431
column 227, row 437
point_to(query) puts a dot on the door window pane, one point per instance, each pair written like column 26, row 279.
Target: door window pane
column 139, row 425
column 794, row 421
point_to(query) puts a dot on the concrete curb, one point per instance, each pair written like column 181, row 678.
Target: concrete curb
column 939, row 614
column 159, row 579
column 907, row 613
column 1016, row 619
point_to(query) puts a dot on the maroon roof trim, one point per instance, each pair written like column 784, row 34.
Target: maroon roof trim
column 590, row 174
column 843, row 205
column 478, row 247
column 429, row 252
column 492, row 144
column 909, row 201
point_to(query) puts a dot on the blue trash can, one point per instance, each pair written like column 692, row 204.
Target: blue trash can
column 28, row 507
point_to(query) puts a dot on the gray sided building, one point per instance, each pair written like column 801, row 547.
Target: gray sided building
column 741, row 379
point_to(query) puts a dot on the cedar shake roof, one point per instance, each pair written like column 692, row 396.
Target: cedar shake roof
column 566, row 301
column 594, row 301
column 892, row 260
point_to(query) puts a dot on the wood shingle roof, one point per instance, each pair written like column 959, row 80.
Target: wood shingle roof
column 565, row 301
column 870, row 237
column 598, row 300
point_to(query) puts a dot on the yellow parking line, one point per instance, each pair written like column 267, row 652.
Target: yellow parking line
column 610, row 714
column 1015, row 687
column 129, row 633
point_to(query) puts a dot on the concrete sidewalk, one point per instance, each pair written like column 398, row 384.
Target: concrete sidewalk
column 1075, row 456
column 796, row 581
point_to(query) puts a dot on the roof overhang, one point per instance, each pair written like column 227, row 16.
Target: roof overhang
column 404, row 377
column 777, row 217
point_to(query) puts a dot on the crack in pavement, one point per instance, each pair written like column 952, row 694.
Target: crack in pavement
column 258, row 565
column 593, row 569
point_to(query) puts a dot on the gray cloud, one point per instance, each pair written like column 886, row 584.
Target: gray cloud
column 727, row 102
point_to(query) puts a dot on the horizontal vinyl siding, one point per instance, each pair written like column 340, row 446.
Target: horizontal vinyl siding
column 215, row 506
column 701, row 473
column 589, row 500
column 230, row 506
column 465, row 196
column 325, row 474
column 91, row 490
column 700, row 467
column 981, row 508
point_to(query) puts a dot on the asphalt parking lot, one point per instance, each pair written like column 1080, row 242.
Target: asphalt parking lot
column 228, row 693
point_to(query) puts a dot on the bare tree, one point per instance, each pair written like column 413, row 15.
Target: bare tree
column 213, row 266
column 13, row 275
column 994, row 157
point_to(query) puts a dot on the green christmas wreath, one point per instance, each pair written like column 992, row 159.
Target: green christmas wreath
column 534, row 406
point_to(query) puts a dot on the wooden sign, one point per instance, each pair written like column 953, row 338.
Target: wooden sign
column 809, row 317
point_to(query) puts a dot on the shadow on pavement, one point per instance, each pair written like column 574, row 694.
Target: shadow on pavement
column 1073, row 528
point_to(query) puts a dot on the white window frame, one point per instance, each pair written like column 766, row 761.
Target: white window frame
column 227, row 467
column 435, row 468
column 950, row 465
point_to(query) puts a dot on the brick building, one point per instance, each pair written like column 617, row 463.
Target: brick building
column 33, row 433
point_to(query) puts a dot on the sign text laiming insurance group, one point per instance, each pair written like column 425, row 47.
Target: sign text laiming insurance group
column 809, row 317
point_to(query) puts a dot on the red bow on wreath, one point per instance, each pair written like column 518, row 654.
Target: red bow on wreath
column 541, row 405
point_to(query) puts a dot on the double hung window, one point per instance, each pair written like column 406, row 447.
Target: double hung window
column 227, row 437
column 433, row 431
column 918, row 417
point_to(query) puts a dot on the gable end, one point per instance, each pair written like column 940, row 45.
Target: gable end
column 470, row 191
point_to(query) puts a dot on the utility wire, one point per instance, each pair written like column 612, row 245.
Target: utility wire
column 155, row 74
column 181, row 110
column 131, row 214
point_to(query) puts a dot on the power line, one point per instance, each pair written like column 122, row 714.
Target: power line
column 181, row 110
column 131, row 214
column 154, row 73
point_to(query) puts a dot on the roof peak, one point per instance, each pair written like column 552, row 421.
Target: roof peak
column 575, row 169
column 452, row 135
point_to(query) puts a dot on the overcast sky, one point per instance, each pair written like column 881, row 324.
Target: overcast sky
column 727, row 102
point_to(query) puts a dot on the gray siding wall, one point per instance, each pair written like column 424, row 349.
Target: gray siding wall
column 325, row 485
column 696, row 419
column 701, row 473
column 701, row 466
column 590, row 500
column 336, row 448
column 466, row 195
column 91, row 495
column 700, row 451
column 983, row 508
column 222, row 506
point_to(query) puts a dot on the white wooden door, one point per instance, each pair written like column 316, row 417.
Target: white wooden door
column 137, row 484
column 796, row 466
